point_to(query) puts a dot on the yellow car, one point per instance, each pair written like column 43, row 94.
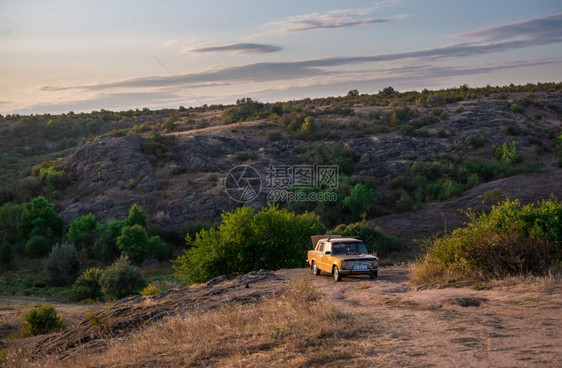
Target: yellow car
column 341, row 257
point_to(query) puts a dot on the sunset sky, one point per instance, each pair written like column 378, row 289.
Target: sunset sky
column 57, row 56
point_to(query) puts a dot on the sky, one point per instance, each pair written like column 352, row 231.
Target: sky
column 58, row 56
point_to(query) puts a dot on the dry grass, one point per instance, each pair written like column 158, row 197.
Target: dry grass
column 280, row 330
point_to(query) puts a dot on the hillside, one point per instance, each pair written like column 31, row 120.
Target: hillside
column 173, row 163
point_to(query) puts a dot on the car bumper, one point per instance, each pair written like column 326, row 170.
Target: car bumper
column 364, row 271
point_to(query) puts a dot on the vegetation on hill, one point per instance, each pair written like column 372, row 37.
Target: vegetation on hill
column 248, row 240
column 513, row 239
column 38, row 185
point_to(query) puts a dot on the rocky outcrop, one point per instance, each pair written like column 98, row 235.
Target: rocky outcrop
column 110, row 163
column 385, row 158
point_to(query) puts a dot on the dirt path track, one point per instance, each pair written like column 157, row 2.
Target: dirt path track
column 512, row 324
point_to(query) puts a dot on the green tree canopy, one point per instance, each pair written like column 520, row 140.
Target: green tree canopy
column 83, row 230
column 246, row 240
column 39, row 218
column 136, row 217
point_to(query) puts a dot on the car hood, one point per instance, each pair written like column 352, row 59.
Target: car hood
column 355, row 257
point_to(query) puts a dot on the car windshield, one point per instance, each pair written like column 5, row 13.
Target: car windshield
column 348, row 248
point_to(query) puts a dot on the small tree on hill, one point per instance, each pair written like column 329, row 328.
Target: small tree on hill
column 39, row 218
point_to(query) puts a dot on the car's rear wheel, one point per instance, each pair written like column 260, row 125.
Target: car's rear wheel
column 374, row 274
column 337, row 274
column 315, row 269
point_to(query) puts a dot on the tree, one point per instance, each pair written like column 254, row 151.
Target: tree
column 133, row 242
column 39, row 218
column 136, row 217
column 359, row 200
column 62, row 267
column 353, row 93
column 270, row 238
column 372, row 236
column 83, row 231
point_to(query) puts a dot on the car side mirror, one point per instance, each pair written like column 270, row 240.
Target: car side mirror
column 328, row 252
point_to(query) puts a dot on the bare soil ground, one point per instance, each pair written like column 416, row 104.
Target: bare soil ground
column 513, row 323
column 509, row 323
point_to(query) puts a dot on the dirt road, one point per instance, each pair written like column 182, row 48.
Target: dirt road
column 513, row 323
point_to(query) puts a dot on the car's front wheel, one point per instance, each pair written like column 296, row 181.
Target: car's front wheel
column 374, row 274
column 315, row 269
column 337, row 274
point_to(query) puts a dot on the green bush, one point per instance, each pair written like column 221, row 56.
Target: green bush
column 150, row 289
column 42, row 319
column 328, row 154
column 121, row 279
column 39, row 218
column 55, row 176
column 516, row 108
column 135, row 243
column 507, row 152
column 38, row 246
column 359, row 200
column 62, row 266
column 84, row 231
column 512, row 239
column 87, row 286
column 246, row 240
column 374, row 239
column 475, row 140
column 136, row 217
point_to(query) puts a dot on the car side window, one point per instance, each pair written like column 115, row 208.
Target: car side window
column 321, row 246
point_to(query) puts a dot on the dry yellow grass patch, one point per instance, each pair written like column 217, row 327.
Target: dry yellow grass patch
column 280, row 330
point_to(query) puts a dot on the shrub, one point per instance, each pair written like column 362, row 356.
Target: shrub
column 246, row 155
column 62, row 266
column 328, row 154
column 135, row 243
column 458, row 109
column 87, row 286
column 475, row 140
column 150, row 289
column 359, row 200
column 121, row 279
column 372, row 236
column 39, row 218
column 247, row 240
column 84, row 231
column 516, row 108
column 508, row 153
column 42, row 319
column 55, row 176
column 511, row 239
column 37, row 246
column 136, row 217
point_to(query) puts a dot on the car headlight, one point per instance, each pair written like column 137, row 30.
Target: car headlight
column 345, row 264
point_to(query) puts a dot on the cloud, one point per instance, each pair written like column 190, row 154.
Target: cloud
column 514, row 36
column 334, row 19
column 543, row 29
column 241, row 48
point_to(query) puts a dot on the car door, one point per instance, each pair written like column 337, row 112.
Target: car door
column 325, row 259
